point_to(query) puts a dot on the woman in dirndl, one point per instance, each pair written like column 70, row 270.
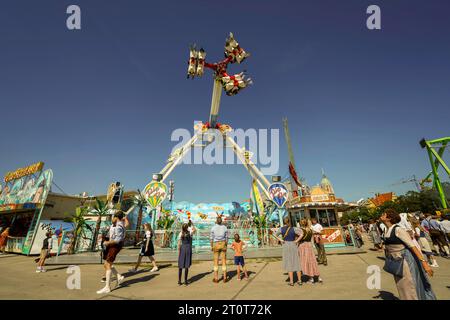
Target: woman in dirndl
column 147, row 249
column 375, row 235
column 413, row 282
column 308, row 261
column 185, row 252
column 291, row 259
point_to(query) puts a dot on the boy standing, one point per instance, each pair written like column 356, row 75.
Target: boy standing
column 45, row 252
column 238, row 246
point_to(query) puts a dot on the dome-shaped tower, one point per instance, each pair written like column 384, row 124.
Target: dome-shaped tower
column 325, row 184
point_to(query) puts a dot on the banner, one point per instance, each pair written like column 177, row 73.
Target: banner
column 155, row 193
column 332, row 235
column 278, row 194
column 257, row 198
column 26, row 192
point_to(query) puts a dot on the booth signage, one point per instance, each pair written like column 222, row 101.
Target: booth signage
column 278, row 194
column 19, row 173
column 319, row 197
column 155, row 192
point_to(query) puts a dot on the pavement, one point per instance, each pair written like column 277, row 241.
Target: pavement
column 345, row 277
column 129, row 255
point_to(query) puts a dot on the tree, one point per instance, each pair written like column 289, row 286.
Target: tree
column 80, row 226
column 140, row 202
column 165, row 222
column 100, row 210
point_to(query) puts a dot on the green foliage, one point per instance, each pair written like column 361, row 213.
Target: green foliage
column 100, row 208
column 260, row 221
column 80, row 226
column 165, row 222
column 364, row 213
column 412, row 201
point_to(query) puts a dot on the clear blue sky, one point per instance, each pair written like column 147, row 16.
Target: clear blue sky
column 99, row 104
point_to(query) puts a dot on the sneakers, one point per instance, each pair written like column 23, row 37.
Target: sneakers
column 43, row 270
column 38, row 270
column 120, row 279
column 154, row 269
column 434, row 264
column 104, row 290
column 133, row 270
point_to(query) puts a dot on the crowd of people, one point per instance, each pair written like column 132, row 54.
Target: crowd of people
column 410, row 242
column 430, row 233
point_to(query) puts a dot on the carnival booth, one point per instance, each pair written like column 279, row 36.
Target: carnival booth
column 321, row 203
column 22, row 200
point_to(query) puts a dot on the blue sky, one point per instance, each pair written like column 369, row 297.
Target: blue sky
column 99, row 104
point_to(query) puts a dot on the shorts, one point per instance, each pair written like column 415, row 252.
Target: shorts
column 113, row 250
column 239, row 260
column 44, row 254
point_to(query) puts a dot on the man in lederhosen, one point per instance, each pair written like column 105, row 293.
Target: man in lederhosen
column 113, row 247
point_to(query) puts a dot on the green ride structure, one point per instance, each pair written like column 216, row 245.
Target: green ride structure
column 436, row 161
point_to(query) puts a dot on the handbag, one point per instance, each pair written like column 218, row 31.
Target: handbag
column 394, row 266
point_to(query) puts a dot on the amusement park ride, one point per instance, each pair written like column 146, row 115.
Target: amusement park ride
column 231, row 84
column 436, row 160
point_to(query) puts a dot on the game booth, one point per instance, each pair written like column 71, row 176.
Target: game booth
column 321, row 203
column 28, row 210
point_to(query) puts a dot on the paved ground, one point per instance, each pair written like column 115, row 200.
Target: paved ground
column 344, row 278
column 128, row 255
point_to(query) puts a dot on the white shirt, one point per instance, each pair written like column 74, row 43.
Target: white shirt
column 317, row 228
column 404, row 223
column 445, row 226
column 189, row 230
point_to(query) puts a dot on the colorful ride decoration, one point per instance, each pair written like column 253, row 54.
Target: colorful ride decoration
column 155, row 192
column 257, row 199
column 231, row 84
column 278, row 194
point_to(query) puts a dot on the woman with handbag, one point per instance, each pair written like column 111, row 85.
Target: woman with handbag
column 291, row 259
column 405, row 262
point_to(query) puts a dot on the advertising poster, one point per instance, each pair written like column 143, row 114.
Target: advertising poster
column 57, row 228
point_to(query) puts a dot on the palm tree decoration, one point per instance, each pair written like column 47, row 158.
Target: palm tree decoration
column 260, row 222
column 80, row 226
column 166, row 222
column 100, row 210
column 140, row 202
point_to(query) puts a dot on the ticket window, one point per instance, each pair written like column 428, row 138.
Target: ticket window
column 296, row 216
column 323, row 217
column 313, row 214
column 332, row 217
